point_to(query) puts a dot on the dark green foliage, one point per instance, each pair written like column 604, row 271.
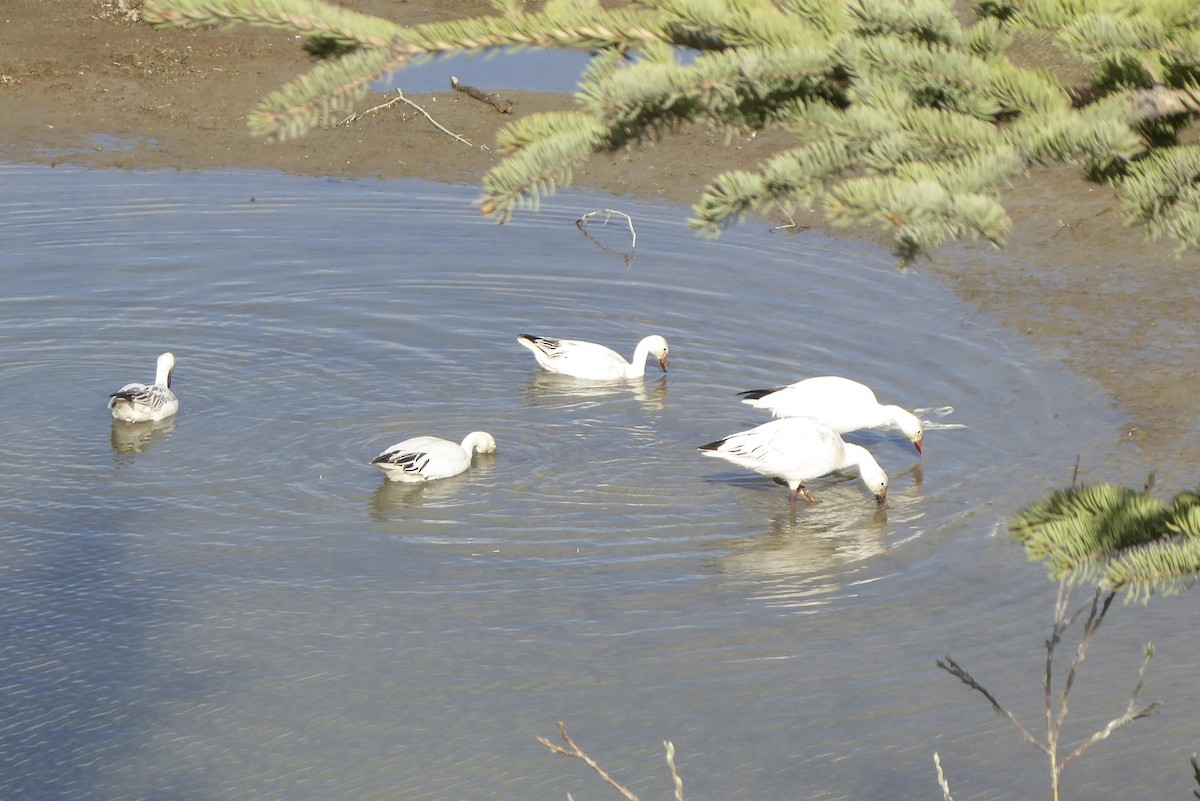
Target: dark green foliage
column 1122, row 539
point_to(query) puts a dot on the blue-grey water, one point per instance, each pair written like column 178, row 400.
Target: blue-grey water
column 236, row 605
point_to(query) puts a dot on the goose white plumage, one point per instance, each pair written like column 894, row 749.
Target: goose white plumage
column 839, row 403
column 422, row 459
column 591, row 361
column 136, row 403
column 793, row 450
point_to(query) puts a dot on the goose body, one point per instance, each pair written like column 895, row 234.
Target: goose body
column 594, row 362
column 839, row 403
column 136, row 403
column 423, row 459
column 793, row 450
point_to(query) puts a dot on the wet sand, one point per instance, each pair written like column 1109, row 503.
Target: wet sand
column 83, row 83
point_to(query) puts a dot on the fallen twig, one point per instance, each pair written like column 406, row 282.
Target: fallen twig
column 491, row 98
column 581, row 222
column 791, row 226
column 400, row 98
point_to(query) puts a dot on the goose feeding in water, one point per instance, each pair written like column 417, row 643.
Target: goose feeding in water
column 839, row 403
column 793, row 450
column 136, row 403
column 429, row 458
column 591, row 361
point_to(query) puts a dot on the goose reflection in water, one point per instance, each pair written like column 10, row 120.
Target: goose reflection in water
column 805, row 548
column 393, row 499
column 133, row 438
column 551, row 390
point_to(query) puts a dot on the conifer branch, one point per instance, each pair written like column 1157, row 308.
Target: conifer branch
column 903, row 114
column 1128, row 541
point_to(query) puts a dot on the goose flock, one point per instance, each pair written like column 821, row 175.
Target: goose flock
column 802, row 443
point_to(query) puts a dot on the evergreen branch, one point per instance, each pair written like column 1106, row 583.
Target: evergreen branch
column 922, row 213
column 927, row 21
column 1068, row 135
column 1164, row 191
column 723, row 24
column 331, row 88
column 987, row 38
column 1074, row 528
column 982, row 173
column 823, row 15
column 940, row 76
column 1164, row 566
column 525, row 131
column 1024, row 91
column 1126, row 539
column 558, row 26
column 951, row 133
column 715, row 84
column 799, row 175
column 540, row 166
column 309, row 17
column 1093, row 37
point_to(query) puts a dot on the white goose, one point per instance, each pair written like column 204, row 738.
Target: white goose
column 136, row 403
column 591, row 361
column 429, row 458
column 794, row 450
column 839, row 403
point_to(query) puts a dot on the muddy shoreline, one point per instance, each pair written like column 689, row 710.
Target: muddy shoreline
column 83, row 83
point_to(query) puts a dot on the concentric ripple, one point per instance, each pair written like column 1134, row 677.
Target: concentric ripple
column 236, row 604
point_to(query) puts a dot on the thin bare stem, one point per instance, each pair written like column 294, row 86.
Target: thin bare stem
column 573, row 750
column 945, row 785
column 356, row 116
column 954, row 669
column 1095, row 618
column 1132, row 712
column 674, row 773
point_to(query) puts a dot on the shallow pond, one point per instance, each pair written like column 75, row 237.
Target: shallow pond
column 235, row 604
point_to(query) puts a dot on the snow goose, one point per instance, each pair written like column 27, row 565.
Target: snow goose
column 136, row 403
column 591, row 361
column 429, row 458
column 794, row 450
column 839, row 403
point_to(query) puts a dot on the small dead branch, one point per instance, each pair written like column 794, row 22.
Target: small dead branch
column 491, row 98
column 608, row 213
column 573, row 750
column 581, row 224
column 670, row 746
column 1062, row 224
column 956, row 670
column 1056, row 709
column 400, row 98
column 791, row 226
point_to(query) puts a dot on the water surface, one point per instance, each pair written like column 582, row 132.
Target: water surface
column 235, row 604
